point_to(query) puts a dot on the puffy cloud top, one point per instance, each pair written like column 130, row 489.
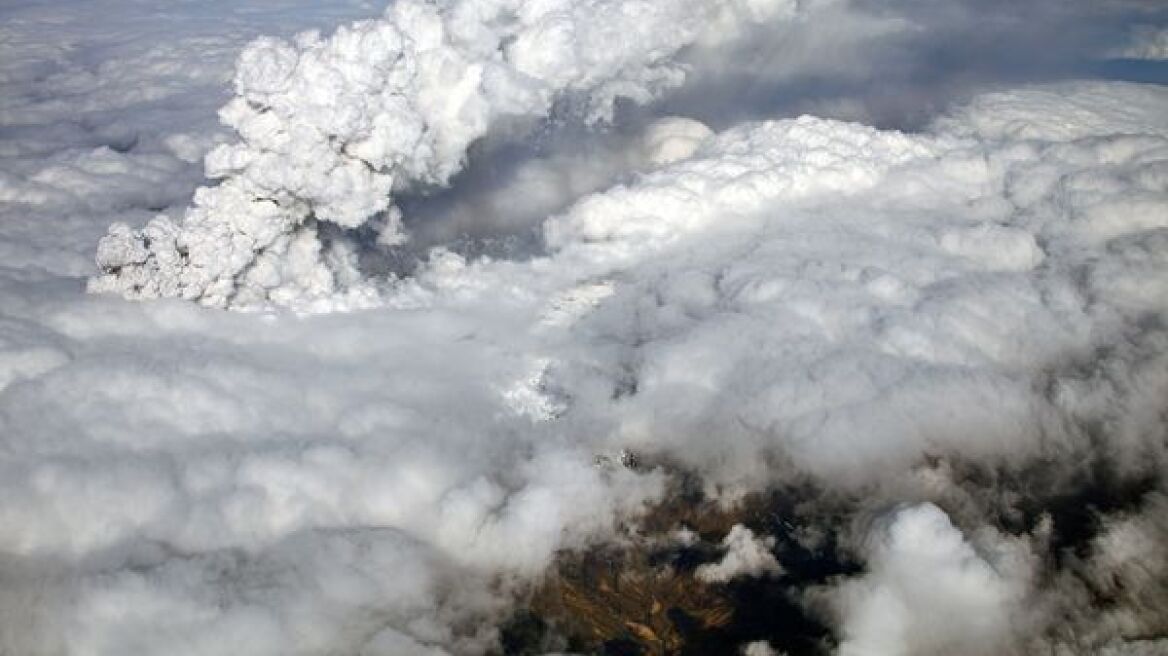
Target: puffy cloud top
column 929, row 591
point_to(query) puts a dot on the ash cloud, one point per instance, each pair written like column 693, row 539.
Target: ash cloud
column 330, row 128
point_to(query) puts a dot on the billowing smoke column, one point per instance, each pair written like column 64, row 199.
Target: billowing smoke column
column 331, row 127
column 909, row 387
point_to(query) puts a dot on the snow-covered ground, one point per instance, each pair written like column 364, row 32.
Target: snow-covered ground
column 956, row 327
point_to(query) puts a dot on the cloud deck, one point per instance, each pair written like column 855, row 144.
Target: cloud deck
column 947, row 346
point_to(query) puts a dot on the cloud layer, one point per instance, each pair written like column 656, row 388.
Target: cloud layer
column 947, row 346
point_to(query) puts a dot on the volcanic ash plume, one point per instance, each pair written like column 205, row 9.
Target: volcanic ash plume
column 330, row 128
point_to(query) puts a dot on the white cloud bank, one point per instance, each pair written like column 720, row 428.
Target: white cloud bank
column 791, row 299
